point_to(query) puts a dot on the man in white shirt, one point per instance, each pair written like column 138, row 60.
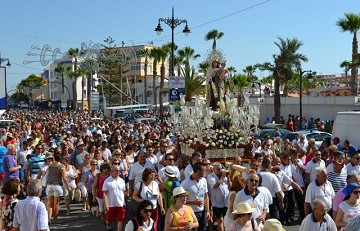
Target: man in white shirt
column 169, row 161
column 160, row 154
column 219, row 192
column 31, row 214
column 354, row 165
column 195, row 157
column 270, row 181
column 312, row 165
column 105, row 152
column 114, row 200
column 319, row 188
column 198, row 198
column 137, row 168
column 319, row 219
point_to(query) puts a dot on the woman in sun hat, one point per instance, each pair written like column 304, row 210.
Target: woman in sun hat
column 244, row 222
column 180, row 214
column 273, row 225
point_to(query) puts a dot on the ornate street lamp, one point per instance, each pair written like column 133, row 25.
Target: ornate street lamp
column 300, row 94
column 173, row 23
column 7, row 65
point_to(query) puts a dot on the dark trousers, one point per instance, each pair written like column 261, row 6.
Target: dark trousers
column 300, row 201
column 274, row 208
column 289, row 205
column 200, row 216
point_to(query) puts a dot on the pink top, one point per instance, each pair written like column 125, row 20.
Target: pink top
column 100, row 184
column 339, row 197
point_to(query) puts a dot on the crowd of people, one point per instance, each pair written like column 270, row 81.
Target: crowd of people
column 132, row 176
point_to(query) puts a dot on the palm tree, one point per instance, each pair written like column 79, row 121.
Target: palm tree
column 204, row 67
column 249, row 70
column 146, row 53
column 232, row 70
column 347, row 66
column 62, row 69
column 155, row 55
column 214, row 35
column 351, row 23
column 193, row 85
column 283, row 62
column 178, row 60
column 241, row 81
column 188, row 53
column 74, row 53
column 164, row 52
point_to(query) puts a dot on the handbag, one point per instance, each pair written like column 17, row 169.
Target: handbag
column 77, row 195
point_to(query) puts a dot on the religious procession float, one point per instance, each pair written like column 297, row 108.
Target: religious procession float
column 216, row 126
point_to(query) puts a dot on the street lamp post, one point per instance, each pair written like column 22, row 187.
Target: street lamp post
column 173, row 23
column 8, row 65
column 300, row 94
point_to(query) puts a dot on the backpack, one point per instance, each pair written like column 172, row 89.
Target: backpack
column 174, row 185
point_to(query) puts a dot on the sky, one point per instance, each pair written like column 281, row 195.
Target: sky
column 250, row 29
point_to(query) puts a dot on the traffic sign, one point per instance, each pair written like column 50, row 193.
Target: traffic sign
column 176, row 82
column 175, row 93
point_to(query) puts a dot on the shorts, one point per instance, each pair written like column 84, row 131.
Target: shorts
column 115, row 213
column 54, row 190
column 101, row 204
column 219, row 212
column 83, row 189
column 68, row 195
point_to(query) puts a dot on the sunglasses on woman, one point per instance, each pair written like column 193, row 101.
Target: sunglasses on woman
column 148, row 210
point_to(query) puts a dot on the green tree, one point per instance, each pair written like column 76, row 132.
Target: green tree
column 347, row 66
column 232, row 70
column 214, row 35
column 241, row 81
column 282, row 64
column 188, row 53
column 351, row 23
column 193, row 84
column 31, row 80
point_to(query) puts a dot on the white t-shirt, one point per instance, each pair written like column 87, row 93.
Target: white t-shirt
column 115, row 188
column 311, row 168
column 270, row 181
column 349, row 211
column 188, row 171
column 296, row 174
column 130, row 226
column 197, row 191
column 149, row 192
column 106, row 154
column 352, row 169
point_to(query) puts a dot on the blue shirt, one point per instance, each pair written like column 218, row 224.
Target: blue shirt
column 3, row 152
column 36, row 162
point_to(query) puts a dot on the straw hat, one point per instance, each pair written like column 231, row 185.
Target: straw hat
column 48, row 156
column 273, row 225
column 179, row 190
column 244, row 208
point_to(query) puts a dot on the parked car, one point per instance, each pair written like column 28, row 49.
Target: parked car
column 319, row 136
column 271, row 133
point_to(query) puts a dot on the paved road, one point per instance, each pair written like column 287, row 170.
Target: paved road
column 84, row 221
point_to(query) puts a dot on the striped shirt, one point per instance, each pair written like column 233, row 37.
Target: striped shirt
column 36, row 162
column 35, row 218
column 337, row 180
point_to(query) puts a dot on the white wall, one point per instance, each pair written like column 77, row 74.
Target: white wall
column 324, row 108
